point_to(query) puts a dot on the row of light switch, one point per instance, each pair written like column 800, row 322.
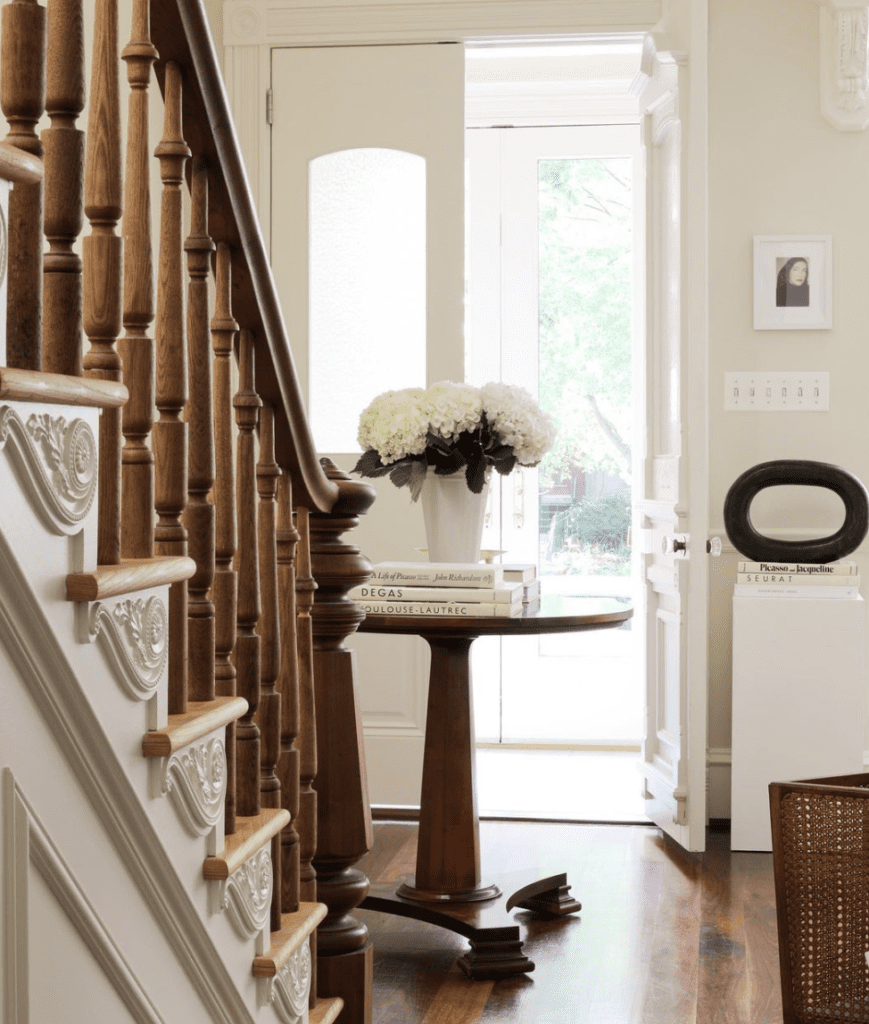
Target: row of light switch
column 777, row 392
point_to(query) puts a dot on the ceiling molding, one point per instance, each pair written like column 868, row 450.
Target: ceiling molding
column 334, row 22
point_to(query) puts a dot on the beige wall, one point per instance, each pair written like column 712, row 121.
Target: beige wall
column 776, row 166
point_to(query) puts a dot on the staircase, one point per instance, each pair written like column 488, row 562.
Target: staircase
column 183, row 785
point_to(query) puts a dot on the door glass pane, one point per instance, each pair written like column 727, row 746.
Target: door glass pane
column 585, row 302
column 367, row 285
column 585, row 314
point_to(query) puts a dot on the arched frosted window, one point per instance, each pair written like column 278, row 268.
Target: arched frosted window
column 367, row 285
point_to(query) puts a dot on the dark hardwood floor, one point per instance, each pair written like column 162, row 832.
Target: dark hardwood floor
column 664, row 937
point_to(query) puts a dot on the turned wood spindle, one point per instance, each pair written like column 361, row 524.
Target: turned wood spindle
column 64, row 146
column 199, row 515
column 137, row 347
column 170, row 431
column 288, row 685
column 102, row 253
column 269, row 711
column 22, row 99
column 247, row 645
column 224, row 590
column 306, row 587
column 307, row 741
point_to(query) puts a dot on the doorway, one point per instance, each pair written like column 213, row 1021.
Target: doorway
column 555, row 304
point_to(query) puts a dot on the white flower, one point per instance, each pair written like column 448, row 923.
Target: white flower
column 518, row 421
column 395, row 424
column 453, row 409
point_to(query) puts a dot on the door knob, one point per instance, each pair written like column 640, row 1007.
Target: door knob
column 713, row 546
column 675, row 545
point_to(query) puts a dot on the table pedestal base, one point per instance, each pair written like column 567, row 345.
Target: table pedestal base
column 496, row 945
column 409, row 891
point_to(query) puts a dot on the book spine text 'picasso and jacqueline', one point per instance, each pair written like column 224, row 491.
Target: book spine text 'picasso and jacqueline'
column 800, row 568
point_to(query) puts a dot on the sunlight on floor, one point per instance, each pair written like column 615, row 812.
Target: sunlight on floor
column 563, row 785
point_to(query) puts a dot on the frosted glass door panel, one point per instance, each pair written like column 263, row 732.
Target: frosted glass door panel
column 367, row 285
column 379, row 129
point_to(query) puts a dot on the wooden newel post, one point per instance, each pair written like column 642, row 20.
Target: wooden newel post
column 344, row 832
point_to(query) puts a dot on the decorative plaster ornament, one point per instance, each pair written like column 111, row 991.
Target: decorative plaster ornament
column 844, row 36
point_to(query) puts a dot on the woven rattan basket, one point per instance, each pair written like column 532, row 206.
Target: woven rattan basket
column 820, row 845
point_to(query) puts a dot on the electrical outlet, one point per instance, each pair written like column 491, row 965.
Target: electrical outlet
column 808, row 391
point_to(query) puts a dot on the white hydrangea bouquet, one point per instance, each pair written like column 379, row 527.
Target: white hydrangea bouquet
column 452, row 427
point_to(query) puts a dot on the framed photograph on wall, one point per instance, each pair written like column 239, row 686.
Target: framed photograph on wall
column 793, row 282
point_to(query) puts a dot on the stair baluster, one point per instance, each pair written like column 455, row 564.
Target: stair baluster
column 269, row 712
column 288, row 685
column 64, row 145
column 199, row 515
column 306, row 587
column 247, row 645
column 22, row 99
column 224, row 591
column 170, row 431
column 136, row 347
column 102, row 253
column 307, row 742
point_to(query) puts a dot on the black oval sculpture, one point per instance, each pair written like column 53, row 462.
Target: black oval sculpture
column 754, row 545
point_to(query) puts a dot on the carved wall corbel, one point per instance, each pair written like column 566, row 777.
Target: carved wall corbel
column 844, row 37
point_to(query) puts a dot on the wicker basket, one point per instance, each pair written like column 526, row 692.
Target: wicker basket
column 820, row 845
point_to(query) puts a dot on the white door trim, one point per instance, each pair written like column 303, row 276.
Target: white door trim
column 253, row 28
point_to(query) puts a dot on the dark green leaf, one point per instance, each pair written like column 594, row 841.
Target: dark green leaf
column 505, row 466
column 417, row 478
column 402, row 473
column 475, row 474
column 369, row 464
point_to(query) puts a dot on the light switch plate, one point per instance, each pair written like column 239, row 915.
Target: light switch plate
column 773, row 391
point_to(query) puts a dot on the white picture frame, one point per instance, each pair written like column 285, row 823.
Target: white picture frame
column 793, row 282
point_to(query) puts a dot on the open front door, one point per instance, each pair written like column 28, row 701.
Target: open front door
column 672, row 507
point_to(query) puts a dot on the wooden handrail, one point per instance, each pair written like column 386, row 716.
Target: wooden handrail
column 16, row 165
column 179, row 28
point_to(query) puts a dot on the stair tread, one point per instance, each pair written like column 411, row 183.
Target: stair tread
column 60, row 389
column 250, row 836
column 295, row 929
column 200, row 718
column 326, row 1010
column 130, row 575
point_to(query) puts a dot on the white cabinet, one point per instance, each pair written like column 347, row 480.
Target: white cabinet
column 799, row 695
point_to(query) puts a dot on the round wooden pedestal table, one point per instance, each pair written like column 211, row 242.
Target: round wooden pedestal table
column 448, row 889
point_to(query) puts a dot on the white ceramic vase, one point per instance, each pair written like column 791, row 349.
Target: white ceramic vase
column 453, row 516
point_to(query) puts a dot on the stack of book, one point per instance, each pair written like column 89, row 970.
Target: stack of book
column 447, row 590
column 833, row 581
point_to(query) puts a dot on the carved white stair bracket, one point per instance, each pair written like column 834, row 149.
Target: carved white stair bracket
column 246, row 895
column 134, row 635
column 844, row 35
column 195, row 780
column 57, row 463
column 288, row 991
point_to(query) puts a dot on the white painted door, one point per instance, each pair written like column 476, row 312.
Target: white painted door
column 672, row 507
column 368, row 144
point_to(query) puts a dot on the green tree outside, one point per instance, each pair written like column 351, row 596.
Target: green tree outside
column 585, row 313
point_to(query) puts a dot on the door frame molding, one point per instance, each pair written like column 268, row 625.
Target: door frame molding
column 251, row 29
